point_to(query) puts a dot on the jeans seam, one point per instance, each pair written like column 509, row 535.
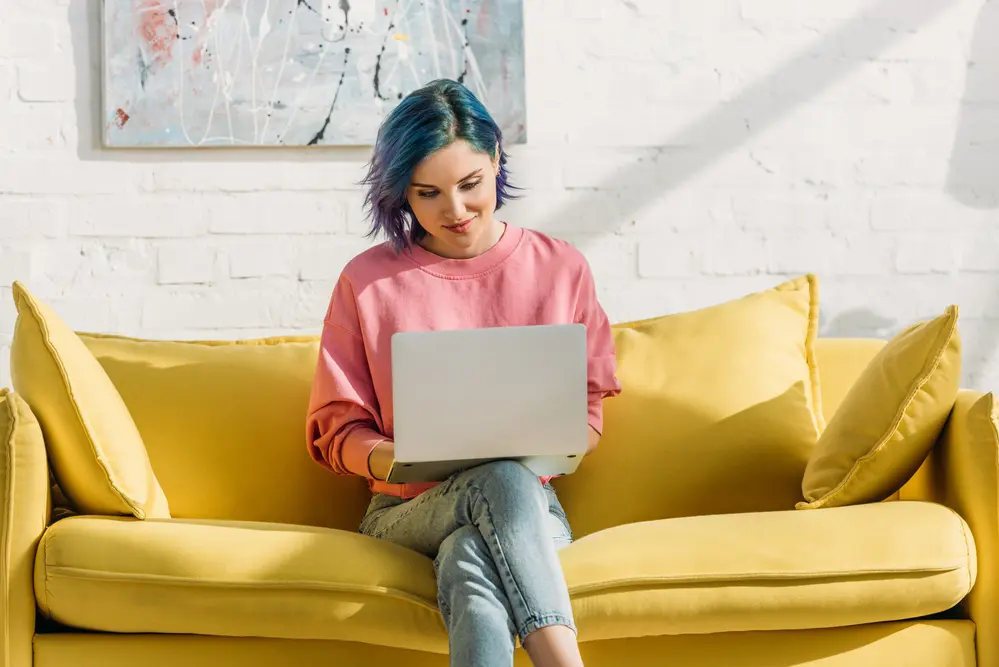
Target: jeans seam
column 499, row 549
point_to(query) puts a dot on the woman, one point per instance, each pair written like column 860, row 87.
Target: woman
column 437, row 176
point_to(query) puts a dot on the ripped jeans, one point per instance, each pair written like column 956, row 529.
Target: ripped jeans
column 493, row 532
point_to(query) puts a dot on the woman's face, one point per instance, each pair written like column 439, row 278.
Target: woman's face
column 453, row 195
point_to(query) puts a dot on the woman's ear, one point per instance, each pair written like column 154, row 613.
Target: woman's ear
column 496, row 158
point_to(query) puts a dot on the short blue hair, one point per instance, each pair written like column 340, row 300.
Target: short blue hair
column 425, row 121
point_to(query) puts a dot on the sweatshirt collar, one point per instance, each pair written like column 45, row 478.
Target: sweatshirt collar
column 468, row 268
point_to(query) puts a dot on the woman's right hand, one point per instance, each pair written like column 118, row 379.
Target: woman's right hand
column 381, row 458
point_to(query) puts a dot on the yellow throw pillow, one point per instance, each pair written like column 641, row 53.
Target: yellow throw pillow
column 719, row 413
column 96, row 451
column 890, row 418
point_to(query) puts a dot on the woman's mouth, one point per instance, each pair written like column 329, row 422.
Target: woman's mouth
column 461, row 227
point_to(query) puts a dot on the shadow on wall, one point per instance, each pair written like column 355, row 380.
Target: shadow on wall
column 85, row 28
column 857, row 323
column 973, row 174
column 763, row 103
column 973, row 177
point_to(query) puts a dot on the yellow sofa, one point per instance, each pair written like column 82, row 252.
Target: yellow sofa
column 260, row 564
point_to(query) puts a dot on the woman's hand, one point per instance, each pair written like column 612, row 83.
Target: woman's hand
column 381, row 458
column 593, row 440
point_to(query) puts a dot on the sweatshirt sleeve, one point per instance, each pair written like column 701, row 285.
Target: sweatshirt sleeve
column 343, row 422
column 601, row 358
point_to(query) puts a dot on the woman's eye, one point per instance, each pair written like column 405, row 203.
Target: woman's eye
column 469, row 186
column 428, row 194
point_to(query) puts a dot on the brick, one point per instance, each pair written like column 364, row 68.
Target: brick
column 796, row 209
column 629, row 300
column 47, row 81
column 976, row 124
column 252, row 175
column 802, row 252
column 115, row 264
column 27, row 39
column 670, row 256
column 803, row 166
column 572, row 212
column 7, row 81
column 899, row 168
column 714, row 15
column 187, row 262
column 22, row 218
column 138, row 216
column 735, row 254
column 602, row 169
column 928, row 253
column 688, row 209
column 919, row 210
column 534, row 169
column 260, row 257
column 355, row 214
column 611, row 257
column 33, row 127
column 603, row 39
column 45, row 175
column 322, row 258
column 648, row 9
column 981, row 253
column 862, row 254
column 8, row 312
column 15, row 264
column 276, row 212
column 596, row 9
column 306, row 307
column 211, row 309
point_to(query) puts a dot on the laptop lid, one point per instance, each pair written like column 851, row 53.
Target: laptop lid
column 487, row 393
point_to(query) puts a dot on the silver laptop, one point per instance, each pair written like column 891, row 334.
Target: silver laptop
column 466, row 397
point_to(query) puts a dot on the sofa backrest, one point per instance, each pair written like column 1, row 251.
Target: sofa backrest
column 841, row 361
column 224, row 423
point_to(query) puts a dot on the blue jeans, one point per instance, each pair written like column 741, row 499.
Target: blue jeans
column 493, row 532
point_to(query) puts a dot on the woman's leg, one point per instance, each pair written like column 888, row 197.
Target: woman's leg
column 470, row 593
column 509, row 508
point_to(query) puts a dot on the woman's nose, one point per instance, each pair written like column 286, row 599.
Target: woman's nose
column 455, row 208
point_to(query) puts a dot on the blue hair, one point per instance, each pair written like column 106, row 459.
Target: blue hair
column 425, row 121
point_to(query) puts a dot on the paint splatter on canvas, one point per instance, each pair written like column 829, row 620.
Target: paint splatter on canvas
column 203, row 73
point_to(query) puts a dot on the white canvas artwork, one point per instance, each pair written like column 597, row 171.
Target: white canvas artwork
column 209, row 73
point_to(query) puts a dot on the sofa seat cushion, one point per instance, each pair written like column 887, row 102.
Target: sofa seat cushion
column 233, row 578
column 762, row 571
column 786, row 570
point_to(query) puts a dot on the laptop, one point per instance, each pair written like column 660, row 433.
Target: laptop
column 466, row 397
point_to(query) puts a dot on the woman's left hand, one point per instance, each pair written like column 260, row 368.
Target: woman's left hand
column 594, row 438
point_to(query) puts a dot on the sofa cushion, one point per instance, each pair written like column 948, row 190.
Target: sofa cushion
column 719, row 413
column 95, row 448
column 889, row 420
column 237, row 579
column 224, row 423
column 761, row 571
column 771, row 570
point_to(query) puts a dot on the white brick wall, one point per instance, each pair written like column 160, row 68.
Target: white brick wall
column 695, row 151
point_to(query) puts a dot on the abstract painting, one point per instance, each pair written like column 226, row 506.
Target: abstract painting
column 211, row 73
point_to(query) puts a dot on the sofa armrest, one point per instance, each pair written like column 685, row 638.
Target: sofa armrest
column 24, row 485
column 962, row 472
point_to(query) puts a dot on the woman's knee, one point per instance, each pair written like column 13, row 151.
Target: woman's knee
column 463, row 553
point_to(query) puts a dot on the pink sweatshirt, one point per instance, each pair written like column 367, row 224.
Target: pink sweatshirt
column 527, row 278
